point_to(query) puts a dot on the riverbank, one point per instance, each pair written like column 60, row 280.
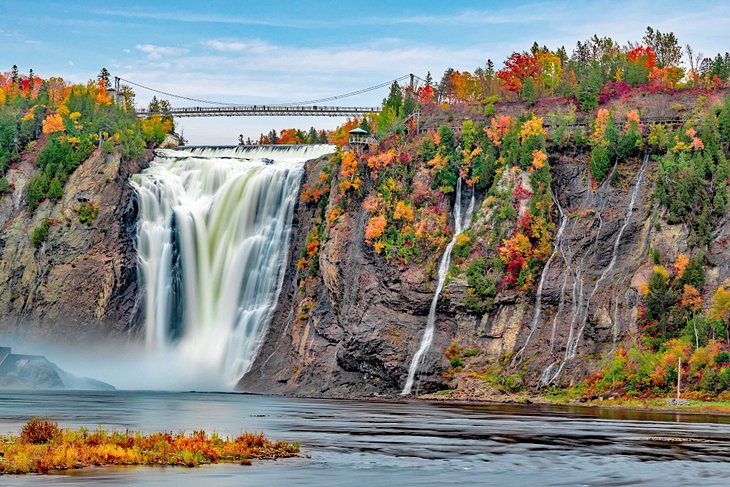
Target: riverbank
column 474, row 393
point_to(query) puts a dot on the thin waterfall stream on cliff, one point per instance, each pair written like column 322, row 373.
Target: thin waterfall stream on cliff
column 459, row 226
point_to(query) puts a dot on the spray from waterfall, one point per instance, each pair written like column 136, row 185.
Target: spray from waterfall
column 212, row 243
column 459, row 227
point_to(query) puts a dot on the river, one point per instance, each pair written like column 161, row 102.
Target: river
column 394, row 443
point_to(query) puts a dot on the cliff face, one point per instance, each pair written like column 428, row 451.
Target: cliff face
column 358, row 323
column 81, row 282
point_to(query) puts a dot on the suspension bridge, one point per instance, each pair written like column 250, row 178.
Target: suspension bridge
column 319, row 107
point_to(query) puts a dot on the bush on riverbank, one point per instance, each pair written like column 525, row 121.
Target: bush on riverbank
column 42, row 446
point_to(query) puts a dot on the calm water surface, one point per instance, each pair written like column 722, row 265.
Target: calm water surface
column 401, row 444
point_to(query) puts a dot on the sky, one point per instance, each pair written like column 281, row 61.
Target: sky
column 279, row 52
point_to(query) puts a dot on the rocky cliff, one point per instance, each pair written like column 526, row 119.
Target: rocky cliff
column 81, row 281
column 351, row 324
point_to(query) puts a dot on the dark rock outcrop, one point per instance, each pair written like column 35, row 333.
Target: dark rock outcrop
column 81, row 282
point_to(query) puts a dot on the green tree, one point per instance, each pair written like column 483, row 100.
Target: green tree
column 55, row 189
column 103, row 77
column 40, row 233
column 666, row 47
column 529, row 92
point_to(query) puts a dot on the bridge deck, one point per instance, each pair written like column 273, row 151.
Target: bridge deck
column 264, row 110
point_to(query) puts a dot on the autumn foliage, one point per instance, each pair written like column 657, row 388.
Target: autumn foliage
column 42, row 447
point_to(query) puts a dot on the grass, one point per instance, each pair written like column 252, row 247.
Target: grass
column 42, row 446
column 660, row 404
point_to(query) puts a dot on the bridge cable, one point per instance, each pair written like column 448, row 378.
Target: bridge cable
column 345, row 95
column 307, row 102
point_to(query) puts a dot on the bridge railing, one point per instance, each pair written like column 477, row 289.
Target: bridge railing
column 241, row 110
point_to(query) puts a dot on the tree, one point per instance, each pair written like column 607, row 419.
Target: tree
column 14, row 75
column 667, row 48
column 103, row 77
column 517, row 68
column 55, row 190
column 395, row 98
column 694, row 64
column 721, row 305
column 552, row 70
column 529, row 92
column 53, row 123
column 154, row 105
column 127, row 94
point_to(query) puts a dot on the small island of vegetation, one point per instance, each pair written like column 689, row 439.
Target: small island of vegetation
column 43, row 446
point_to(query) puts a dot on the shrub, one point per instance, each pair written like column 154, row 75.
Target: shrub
column 38, row 431
column 722, row 357
column 107, row 146
column 37, row 189
column 88, row 212
column 55, row 190
column 40, row 233
column 456, row 362
column 4, row 185
column 600, row 162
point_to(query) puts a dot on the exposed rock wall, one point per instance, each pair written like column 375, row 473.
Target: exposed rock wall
column 81, row 282
column 367, row 315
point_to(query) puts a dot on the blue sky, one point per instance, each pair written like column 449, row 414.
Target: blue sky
column 274, row 52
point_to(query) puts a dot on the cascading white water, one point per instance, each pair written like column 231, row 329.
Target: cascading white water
column 580, row 314
column 538, row 294
column 212, row 239
column 459, row 227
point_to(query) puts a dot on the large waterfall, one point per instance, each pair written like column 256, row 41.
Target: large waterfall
column 212, row 238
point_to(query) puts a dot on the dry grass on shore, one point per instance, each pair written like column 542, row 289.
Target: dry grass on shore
column 42, row 446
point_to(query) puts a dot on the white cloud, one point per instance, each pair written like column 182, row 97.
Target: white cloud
column 126, row 51
column 254, row 46
column 193, row 17
column 158, row 52
column 71, row 63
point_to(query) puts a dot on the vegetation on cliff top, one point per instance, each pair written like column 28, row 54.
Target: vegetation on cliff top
column 42, row 447
column 62, row 124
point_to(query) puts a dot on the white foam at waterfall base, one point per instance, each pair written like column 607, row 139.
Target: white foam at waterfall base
column 212, row 238
column 459, row 226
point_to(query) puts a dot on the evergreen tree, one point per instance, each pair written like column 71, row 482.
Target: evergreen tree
column 365, row 125
column 395, row 98
column 154, row 105
column 55, row 190
column 104, row 77
column 529, row 92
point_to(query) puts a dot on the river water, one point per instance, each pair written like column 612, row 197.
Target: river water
column 404, row 443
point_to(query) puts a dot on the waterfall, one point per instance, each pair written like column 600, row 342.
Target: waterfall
column 459, row 227
column 212, row 240
column 538, row 294
column 580, row 314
